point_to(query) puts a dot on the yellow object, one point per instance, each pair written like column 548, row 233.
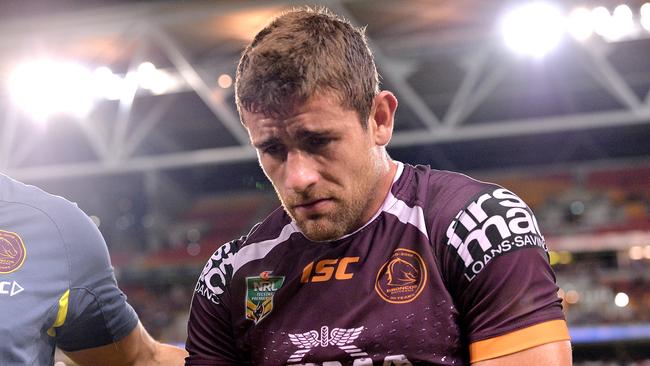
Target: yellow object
column 61, row 314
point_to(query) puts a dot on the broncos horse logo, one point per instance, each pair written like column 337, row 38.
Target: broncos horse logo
column 12, row 252
column 401, row 273
column 340, row 337
column 7, row 250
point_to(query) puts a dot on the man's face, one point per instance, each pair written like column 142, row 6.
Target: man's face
column 323, row 164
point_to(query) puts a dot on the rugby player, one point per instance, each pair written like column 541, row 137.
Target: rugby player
column 57, row 288
column 369, row 260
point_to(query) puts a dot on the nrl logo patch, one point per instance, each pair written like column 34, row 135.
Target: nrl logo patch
column 259, row 295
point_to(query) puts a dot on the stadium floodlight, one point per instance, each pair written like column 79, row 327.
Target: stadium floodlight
column 623, row 13
column 224, row 81
column 107, row 85
column 614, row 26
column 621, row 299
column 153, row 79
column 602, row 21
column 533, row 29
column 622, row 23
column 46, row 87
column 636, row 253
column 645, row 16
column 146, row 75
column 580, row 24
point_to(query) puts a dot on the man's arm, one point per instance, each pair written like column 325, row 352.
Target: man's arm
column 497, row 268
column 550, row 354
column 137, row 348
column 210, row 336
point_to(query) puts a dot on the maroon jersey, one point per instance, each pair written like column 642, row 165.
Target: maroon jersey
column 449, row 270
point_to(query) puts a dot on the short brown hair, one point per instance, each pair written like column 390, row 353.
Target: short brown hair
column 301, row 52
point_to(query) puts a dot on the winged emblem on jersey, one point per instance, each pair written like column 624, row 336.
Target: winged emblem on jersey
column 340, row 337
column 305, row 340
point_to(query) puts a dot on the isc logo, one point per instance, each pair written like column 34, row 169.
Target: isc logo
column 324, row 269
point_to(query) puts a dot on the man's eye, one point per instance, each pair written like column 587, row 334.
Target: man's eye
column 317, row 142
column 274, row 150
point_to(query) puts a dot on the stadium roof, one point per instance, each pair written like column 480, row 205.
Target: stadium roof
column 466, row 102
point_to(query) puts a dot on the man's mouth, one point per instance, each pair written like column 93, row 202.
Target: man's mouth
column 313, row 206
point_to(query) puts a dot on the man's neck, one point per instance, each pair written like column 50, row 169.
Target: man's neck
column 383, row 188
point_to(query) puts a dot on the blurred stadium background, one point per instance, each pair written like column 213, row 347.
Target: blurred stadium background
column 126, row 107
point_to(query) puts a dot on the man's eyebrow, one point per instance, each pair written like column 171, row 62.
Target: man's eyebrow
column 303, row 134
column 266, row 143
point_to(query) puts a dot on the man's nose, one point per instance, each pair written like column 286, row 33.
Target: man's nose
column 300, row 171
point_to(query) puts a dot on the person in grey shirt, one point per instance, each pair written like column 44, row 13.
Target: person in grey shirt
column 57, row 288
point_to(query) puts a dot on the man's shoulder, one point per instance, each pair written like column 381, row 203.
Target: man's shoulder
column 229, row 257
column 275, row 229
column 432, row 188
column 446, row 179
column 39, row 204
column 268, row 229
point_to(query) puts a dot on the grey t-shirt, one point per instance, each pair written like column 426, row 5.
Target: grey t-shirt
column 57, row 285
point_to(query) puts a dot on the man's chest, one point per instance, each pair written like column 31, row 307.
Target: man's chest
column 377, row 299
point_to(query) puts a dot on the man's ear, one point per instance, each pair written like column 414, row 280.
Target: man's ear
column 382, row 117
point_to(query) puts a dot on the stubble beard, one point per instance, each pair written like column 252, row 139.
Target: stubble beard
column 347, row 215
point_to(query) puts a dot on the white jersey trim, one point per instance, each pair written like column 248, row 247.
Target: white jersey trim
column 398, row 208
column 260, row 249
column 408, row 215
column 389, row 201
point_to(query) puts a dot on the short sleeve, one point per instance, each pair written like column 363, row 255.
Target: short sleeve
column 210, row 339
column 95, row 309
column 495, row 262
